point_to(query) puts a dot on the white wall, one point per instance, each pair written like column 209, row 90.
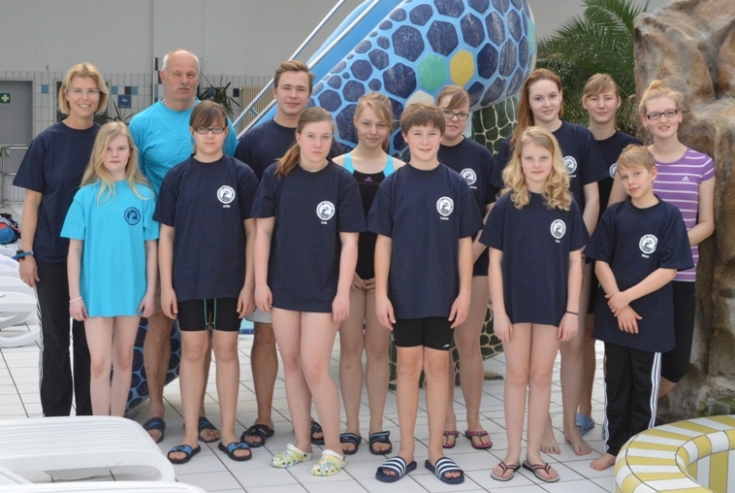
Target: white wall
column 232, row 37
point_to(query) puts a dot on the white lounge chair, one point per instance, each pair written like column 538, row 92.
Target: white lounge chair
column 16, row 308
column 8, row 271
column 74, row 445
column 104, row 487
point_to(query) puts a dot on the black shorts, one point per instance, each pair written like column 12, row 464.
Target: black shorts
column 431, row 332
column 220, row 313
column 674, row 364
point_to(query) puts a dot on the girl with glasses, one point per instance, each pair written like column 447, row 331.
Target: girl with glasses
column 686, row 179
column 207, row 276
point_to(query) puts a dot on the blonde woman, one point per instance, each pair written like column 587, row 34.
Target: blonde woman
column 51, row 172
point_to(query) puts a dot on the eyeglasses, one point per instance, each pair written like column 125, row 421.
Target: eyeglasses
column 206, row 130
column 657, row 115
column 76, row 91
column 449, row 114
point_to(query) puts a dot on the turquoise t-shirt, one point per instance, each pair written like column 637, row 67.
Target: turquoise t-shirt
column 163, row 140
column 113, row 277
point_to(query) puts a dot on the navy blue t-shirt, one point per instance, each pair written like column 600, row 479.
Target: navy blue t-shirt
column 265, row 144
column 635, row 242
column 311, row 210
column 54, row 165
column 611, row 149
column 536, row 242
column 425, row 213
column 581, row 154
column 206, row 204
column 476, row 165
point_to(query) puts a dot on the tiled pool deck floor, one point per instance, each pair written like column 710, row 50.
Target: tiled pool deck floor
column 213, row 471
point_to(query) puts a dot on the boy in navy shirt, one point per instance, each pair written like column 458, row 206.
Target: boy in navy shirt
column 639, row 245
column 425, row 218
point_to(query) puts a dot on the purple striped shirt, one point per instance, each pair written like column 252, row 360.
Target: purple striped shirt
column 678, row 184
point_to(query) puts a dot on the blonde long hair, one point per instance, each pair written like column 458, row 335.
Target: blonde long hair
column 96, row 170
column 291, row 159
column 556, row 190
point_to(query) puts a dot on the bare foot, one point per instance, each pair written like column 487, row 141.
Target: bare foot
column 602, row 463
column 207, row 431
column 549, row 444
column 505, row 470
column 449, row 439
column 447, row 475
column 578, row 443
column 480, row 438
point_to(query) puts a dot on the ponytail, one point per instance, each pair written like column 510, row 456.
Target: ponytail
column 289, row 161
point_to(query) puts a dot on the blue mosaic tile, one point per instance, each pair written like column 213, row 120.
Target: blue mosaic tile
column 451, row 8
column 408, row 42
column 479, row 5
column 442, row 37
column 398, row 15
column 473, row 32
column 421, row 14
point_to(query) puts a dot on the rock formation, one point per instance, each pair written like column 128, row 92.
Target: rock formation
column 690, row 44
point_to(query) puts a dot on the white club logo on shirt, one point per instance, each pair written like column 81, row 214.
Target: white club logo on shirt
column 613, row 169
column 648, row 244
column 469, row 175
column 325, row 210
column 445, row 206
column 571, row 164
column 558, row 229
column 226, row 194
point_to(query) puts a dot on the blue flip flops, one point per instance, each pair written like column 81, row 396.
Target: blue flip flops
column 584, row 423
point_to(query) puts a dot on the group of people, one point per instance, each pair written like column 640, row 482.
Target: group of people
column 574, row 233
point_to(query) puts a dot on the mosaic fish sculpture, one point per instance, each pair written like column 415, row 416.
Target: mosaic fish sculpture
column 486, row 46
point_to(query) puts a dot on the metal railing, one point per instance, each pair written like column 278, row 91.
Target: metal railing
column 8, row 192
column 251, row 109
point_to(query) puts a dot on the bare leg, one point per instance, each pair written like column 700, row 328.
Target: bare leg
column 194, row 345
column 377, row 369
column 99, row 340
column 207, row 434
column 590, row 365
column 156, row 357
column 467, row 340
column 517, row 366
column 264, row 364
column 123, row 341
column 409, row 363
column 351, row 343
column 435, row 367
column 572, row 373
column 318, row 333
column 228, row 382
column 288, row 332
column 544, row 347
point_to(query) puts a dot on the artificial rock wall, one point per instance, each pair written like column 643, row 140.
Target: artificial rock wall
column 690, row 44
